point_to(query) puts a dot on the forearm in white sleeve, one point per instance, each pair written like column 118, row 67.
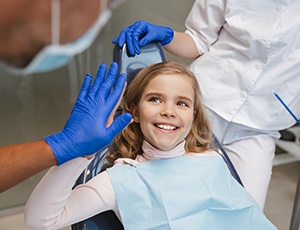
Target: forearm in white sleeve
column 53, row 204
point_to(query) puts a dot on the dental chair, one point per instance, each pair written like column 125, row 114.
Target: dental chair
column 150, row 54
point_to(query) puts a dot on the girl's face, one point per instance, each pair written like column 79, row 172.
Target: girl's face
column 166, row 110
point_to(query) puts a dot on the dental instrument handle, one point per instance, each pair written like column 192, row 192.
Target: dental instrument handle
column 287, row 108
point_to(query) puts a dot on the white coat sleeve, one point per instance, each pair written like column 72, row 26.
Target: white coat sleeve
column 53, row 204
column 205, row 21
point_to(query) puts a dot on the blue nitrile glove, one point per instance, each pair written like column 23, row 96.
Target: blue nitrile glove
column 85, row 131
column 142, row 33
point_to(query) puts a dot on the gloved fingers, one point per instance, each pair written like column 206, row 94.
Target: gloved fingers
column 100, row 76
column 131, row 45
column 139, row 30
column 145, row 40
column 85, row 87
column 119, row 87
column 121, row 39
column 151, row 33
column 107, row 85
column 131, row 36
column 119, row 124
column 115, row 40
column 112, row 99
column 116, row 93
column 136, row 46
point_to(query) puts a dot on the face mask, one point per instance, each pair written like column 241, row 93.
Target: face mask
column 55, row 55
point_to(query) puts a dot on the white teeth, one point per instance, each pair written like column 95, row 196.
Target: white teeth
column 166, row 127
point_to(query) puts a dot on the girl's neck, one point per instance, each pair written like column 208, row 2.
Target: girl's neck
column 151, row 153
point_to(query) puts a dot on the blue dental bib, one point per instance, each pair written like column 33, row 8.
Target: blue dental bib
column 186, row 192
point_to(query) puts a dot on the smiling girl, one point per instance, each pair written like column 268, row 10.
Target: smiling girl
column 167, row 107
column 160, row 172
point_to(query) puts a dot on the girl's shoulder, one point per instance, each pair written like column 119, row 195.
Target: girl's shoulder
column 124, row 161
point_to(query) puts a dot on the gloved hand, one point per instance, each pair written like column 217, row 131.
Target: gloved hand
column 141, row 33
column 85, row 132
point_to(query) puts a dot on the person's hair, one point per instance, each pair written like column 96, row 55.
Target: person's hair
column 128, row 143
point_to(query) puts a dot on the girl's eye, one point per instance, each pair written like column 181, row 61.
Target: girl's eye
column 154, row 99
column 182, row 103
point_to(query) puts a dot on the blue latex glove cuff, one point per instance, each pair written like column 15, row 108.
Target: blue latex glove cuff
column 58, row 147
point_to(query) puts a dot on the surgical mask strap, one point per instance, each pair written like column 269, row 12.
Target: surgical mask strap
column 55, row 22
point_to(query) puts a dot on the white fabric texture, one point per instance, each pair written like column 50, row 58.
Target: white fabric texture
column 254, row 169
column 249, row 49
column 251, row 151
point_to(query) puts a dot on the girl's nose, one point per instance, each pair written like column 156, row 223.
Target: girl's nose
column 168, row 111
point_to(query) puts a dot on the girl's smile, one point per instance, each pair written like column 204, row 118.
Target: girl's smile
column 166, row 127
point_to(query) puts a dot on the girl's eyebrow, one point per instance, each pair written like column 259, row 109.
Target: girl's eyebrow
column 157, row 94
column 185, row 98
column 161, row 95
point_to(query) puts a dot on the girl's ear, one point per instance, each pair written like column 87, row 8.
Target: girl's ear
column 135, row 113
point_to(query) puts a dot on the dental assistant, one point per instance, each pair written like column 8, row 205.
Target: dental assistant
column 243, row 51
column 88, row 129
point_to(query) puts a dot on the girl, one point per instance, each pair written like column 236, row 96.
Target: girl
column 160, row 171
column 241, row 51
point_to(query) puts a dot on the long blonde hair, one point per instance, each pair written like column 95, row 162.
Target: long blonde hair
column 128, row 143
